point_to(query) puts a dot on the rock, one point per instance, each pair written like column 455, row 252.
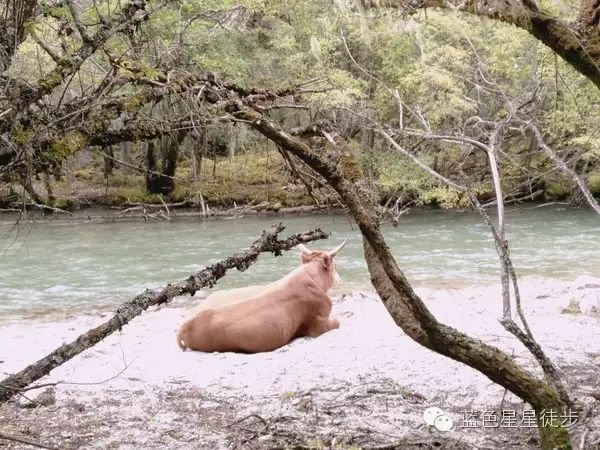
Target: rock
column 265, row 437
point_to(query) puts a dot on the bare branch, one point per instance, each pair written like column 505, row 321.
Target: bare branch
column 564, row 167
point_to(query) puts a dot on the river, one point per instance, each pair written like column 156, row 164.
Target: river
column 53, row 267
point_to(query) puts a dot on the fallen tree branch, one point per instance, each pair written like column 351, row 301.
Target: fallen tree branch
column 208, row 276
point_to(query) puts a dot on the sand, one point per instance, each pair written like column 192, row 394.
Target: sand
column 365, row 384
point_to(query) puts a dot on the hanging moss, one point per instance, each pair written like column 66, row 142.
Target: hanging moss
column 66, row 146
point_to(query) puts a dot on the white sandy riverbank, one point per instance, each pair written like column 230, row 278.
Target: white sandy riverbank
column 364, row 384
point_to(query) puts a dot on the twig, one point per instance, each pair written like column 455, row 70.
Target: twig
column 74, row 383
column 564, row 168
column 48, row 207
column 142, row 169
column 23, row 440
column 543, row 205
column 583, row 438
column 166, row 207
column 256, row 416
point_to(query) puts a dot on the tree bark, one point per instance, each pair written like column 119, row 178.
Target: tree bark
column 241, row 260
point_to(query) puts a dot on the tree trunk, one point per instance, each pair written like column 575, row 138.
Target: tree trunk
column 160, row 180
column 405, row 306
column 15, row 14
column 109, row 163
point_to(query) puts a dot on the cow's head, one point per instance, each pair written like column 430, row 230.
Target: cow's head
column 327, row 260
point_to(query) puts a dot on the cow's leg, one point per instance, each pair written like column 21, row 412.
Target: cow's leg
column 322, row 325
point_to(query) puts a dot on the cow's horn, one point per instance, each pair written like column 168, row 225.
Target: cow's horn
column 303, row 248
column 336, row 250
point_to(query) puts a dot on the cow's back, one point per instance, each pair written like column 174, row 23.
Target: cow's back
column 220, row 299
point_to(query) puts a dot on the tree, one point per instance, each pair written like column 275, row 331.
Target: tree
column 404, row 305
column 577, row 40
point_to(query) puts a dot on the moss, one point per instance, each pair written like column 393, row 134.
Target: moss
column 552, row 436
column 351, row 168
column 593, row 181
column 20, row 136
column 447, row 198
column 65, row 203
column 98, row 123
column 50, row 81
column 133, row 103
column 288, row 395
column 68, row 145
column 557, row 190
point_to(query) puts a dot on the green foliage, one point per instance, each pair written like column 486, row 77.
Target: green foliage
column 429, row 59
column 69, row 144
column 557, row 189
column 593, row 180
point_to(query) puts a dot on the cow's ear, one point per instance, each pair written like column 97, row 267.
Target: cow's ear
column 303, row 248
column 305, row 257
column 327, row 261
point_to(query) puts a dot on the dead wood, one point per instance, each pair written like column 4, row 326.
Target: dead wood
column 208, row 276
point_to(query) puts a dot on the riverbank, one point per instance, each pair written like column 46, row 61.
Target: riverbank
column 162, row 212
column 364, row 385
column 258, row 180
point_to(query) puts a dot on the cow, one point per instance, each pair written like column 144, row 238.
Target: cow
column 220, row 299
column 273, row 315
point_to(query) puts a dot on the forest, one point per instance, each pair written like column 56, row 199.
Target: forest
column 137, row 108
column 411, row 130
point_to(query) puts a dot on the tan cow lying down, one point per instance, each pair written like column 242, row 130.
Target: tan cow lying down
column 270, row 316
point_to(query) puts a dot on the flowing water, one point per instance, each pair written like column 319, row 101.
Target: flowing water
column 56, row 267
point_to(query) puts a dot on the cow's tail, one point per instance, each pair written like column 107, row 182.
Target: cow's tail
column 180, row 340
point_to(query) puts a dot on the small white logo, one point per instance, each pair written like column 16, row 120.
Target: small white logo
column 435, row 417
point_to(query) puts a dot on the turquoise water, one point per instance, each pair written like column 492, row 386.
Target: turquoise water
column 55, row 266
